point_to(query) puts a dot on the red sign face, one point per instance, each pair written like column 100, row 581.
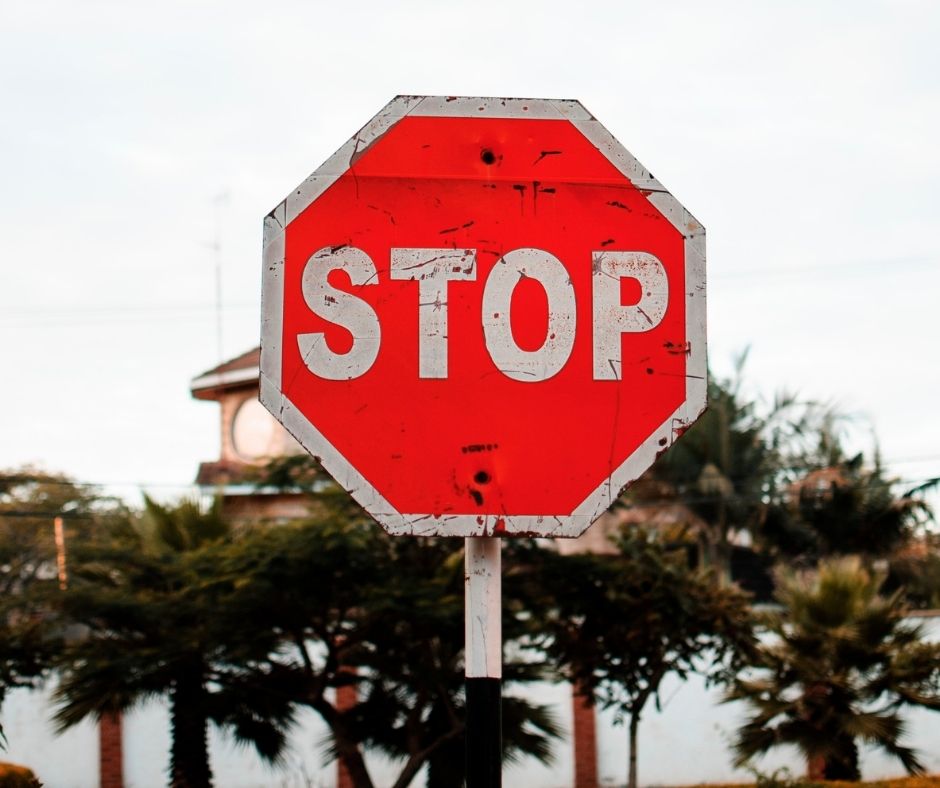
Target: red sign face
column 484, row 316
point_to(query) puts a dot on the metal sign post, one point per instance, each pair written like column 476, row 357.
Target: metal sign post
column 484, row 661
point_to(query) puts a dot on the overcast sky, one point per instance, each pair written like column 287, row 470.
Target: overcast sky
column 803, row 135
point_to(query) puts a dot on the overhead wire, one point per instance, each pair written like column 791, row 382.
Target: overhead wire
column 44, row 314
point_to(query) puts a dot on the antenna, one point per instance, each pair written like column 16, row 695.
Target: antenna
column 220, row 200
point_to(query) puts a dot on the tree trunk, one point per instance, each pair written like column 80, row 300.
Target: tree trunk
column 843, row 765
column 347, row 748
column 189, row 748
column 631, row 771
column 815, row 767
column 352, row 759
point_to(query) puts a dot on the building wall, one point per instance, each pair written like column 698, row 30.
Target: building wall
column 229, row 402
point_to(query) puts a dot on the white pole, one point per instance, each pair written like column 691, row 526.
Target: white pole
column 484, row 608
column 483, row 660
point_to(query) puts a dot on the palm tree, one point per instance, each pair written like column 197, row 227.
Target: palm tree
column 149, row 598
column 838, row 667
column 851, row 508
column 727, row 470
column 353, row 606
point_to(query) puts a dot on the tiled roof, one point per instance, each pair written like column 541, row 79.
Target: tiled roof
column 248, row 360
column 239, row 371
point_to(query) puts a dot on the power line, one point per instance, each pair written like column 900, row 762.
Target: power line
column 111, row 315
column 889, row 265
column 75, row 315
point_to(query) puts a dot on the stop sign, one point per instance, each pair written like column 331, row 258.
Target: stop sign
column 483, row 316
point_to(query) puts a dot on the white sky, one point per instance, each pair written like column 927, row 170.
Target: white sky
column 804, row 135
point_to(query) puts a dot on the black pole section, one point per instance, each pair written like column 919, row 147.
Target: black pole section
column 484, row 733
column 483, row 661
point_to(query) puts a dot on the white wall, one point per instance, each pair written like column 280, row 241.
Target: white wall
column 69, row 760
column 685, row 743
column 689, row 740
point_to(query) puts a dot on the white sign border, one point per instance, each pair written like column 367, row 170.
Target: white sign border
column 463, row 525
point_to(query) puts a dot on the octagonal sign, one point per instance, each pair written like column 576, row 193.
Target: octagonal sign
column 483, row 316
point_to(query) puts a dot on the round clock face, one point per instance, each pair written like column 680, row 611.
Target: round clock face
column 254, row 432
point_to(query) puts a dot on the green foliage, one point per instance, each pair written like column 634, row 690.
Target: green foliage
column 351, row 606
column 840, row 665
column 917, row 576
column 617, row 625
column 844, row 507
column 147, row 594
column 620, row 623
column 30, row 500
column 728, row 469
column 294, row 472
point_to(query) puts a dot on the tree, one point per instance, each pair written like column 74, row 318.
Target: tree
column 351, row 605
column 148, row 594
column 32, row 566
column 839, row 666
column 843, row 506
column 618, row 625
column 728, row 468
column 385, row 615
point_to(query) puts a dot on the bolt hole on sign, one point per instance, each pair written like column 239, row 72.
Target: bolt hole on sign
column 483, row 316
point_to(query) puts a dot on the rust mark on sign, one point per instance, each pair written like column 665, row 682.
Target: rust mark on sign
column 618, row 204
column 678, row 348
column 383, row 210
column 608, row 242
column 499, row 527
column 545, row 153
column 475, row 447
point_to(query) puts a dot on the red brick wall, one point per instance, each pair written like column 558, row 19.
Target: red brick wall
column 346, row 698
column 110, row 751
column 584, row 733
